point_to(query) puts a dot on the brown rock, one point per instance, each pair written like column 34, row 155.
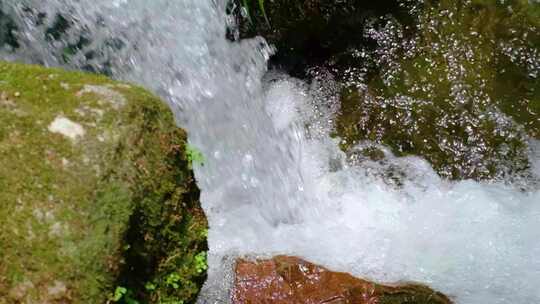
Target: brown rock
column 286, row 279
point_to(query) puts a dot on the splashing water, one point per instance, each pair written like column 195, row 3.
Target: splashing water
column 274, row 181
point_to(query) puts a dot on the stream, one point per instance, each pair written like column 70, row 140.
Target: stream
column 274, row 179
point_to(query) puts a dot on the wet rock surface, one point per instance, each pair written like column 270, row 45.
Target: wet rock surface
column 309, row 32
column 286, row 279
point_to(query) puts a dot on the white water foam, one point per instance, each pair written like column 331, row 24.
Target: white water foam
column 477, row 242
column 275, row 182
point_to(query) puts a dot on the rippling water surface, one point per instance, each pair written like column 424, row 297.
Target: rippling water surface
column 274, row 180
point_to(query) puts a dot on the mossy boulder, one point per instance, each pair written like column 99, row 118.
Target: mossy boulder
column 96, row 191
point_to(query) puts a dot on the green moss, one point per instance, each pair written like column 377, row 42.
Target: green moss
column 117, row 205
column 457, row 99
column 417, row 294
column 166, row 229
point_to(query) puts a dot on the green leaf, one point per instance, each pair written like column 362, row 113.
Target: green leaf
column 119, row 293
column 150, row 286
column 201, row 263
column 194, row 155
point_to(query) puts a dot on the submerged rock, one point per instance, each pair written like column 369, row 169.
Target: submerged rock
column 97, row 193
column 286, row 279
column 455, row 83
column 461, row 90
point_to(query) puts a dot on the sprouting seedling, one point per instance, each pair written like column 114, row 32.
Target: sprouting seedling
column 194, row 156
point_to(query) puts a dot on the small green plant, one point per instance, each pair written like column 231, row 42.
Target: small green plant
column 173, row 280
column 150, row 286
column 194, row 156
column 119, row 293
column 123, row 295
column 201, row 263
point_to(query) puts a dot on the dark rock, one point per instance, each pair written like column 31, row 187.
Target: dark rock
column 309, row 32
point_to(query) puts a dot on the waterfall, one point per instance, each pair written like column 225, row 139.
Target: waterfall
column 274, row 180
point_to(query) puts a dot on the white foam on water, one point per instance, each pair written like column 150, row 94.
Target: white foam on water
column 477, row 242
column 535, row 156
column 275, row 182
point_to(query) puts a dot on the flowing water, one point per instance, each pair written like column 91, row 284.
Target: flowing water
column 274, row 181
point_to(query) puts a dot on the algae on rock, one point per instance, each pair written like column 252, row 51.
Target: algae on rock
column 96, row 192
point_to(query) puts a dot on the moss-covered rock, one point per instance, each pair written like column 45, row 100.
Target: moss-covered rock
column 96, row 193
